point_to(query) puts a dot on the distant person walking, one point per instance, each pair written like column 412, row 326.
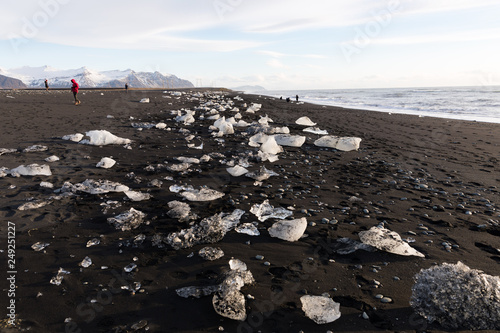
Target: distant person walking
column 297, row 98
column 126, row 87
column 46, row 85
column 74, row 89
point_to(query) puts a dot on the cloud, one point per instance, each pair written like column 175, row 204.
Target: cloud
column 276, row 63
column 463, row 36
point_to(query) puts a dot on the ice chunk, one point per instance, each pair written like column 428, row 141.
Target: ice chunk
column 191, row 160
column 457, row 297
column 179, row 167
column 97, row 186
column 32, row 170
column 266, row 211
column 228, row 301
column 128, row 220
column 102, row 138
column 270, row 146
column 340, row 143
column 305, row 121
column 289, row 230
column 35, row 148
column 186, row 119
column 209, row 230
column 39, row 246
column 229, row 221
column 197, row 292
column 137, row 196
column 290, row 140
column 34, row 204
column 93, row 241
column 315, row 130
column 130, row 267
column 224, row 127
column 144, row 100
column 180, row 210
column 254, row 108
column 320, row 309
column 73, row 137
column 161, row 125
column 248, row 228
column 46, row 185
column 265, row 120
column 59, row 277
column 106, row 163
column 86, row 262
column 387, row 240
column 211, row 253
column 52, row 158
column 203, row 194
column 7, row 150
column 237, row 171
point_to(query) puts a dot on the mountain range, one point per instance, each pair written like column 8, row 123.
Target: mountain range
column 34, row 77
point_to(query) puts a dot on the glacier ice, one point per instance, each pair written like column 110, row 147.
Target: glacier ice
column 203, row 194
column 181, row 211
column 95, row 187
column 270, row 146
column 144, row 100
column 105, row 163
column 127, row 220
column 457, row 297
column 35, row 148
column 34, row 204
column 137, row 196
column 315, row 130
column 39, row 246
column 266, row 211
column 340, row 143
column 77, row 137
column 7, row 150
column 209, row 230
column 248, row 228
column 102, row 138
column 305, row 121
column 52, row 158
column 289, row 230
column 290, row 140
column 387, row 240
column 32, row 170
column 320, row 309
column 237, row 171
column 211, row 253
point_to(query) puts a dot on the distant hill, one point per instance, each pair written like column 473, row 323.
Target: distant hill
column 34, row 77
column 11, row 83
column 249, row 88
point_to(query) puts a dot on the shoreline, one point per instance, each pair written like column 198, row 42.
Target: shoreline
column 425, row 178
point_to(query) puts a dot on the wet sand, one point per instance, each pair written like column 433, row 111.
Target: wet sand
column 434, row 181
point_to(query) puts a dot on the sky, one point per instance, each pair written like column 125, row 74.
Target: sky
column 277, row 44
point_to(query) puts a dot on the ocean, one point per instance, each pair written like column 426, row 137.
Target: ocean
column 481, row 103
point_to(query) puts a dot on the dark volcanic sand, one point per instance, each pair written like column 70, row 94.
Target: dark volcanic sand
column 457, row 160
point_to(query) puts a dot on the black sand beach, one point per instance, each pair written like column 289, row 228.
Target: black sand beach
column 434, row 181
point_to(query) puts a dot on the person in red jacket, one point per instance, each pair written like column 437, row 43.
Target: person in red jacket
column 74, row 89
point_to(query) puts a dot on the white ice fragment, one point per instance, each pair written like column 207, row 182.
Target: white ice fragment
column 57, row 280
column 211, row 253
column 315, row 130
column 457, row 297
column 52, row 158
column 39, row 246
column 254, row 108
column 266, row 211
column 35, row 148
column 191, row 160
column 128, row 220
column 340, row 143
column 320, row 309
column 7, row 150
column 34, row 204
column 270, row 146
column 103, row 137
column 265, row 120
column 224, row 126
column 237, row 171
column 203, row 194
column 179, row 167
column 229, row 221
column 387, row 240
column 262, row 174
column 187, row 118
column 73, row 137
column 209, row 230
column 86, row 262
column 305, row 121
column 144, row 100
column 32, row 170
column 237, row 264
column 137, row 196
column 248, row 229
column 106, row 163
column 46, row 185
column 161, row 125
column 97, row 186
column 93, row 241
column 290, row 140
column 289, row 230
column 180, row 210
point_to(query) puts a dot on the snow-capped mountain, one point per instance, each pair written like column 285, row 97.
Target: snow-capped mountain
column 34, row 77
